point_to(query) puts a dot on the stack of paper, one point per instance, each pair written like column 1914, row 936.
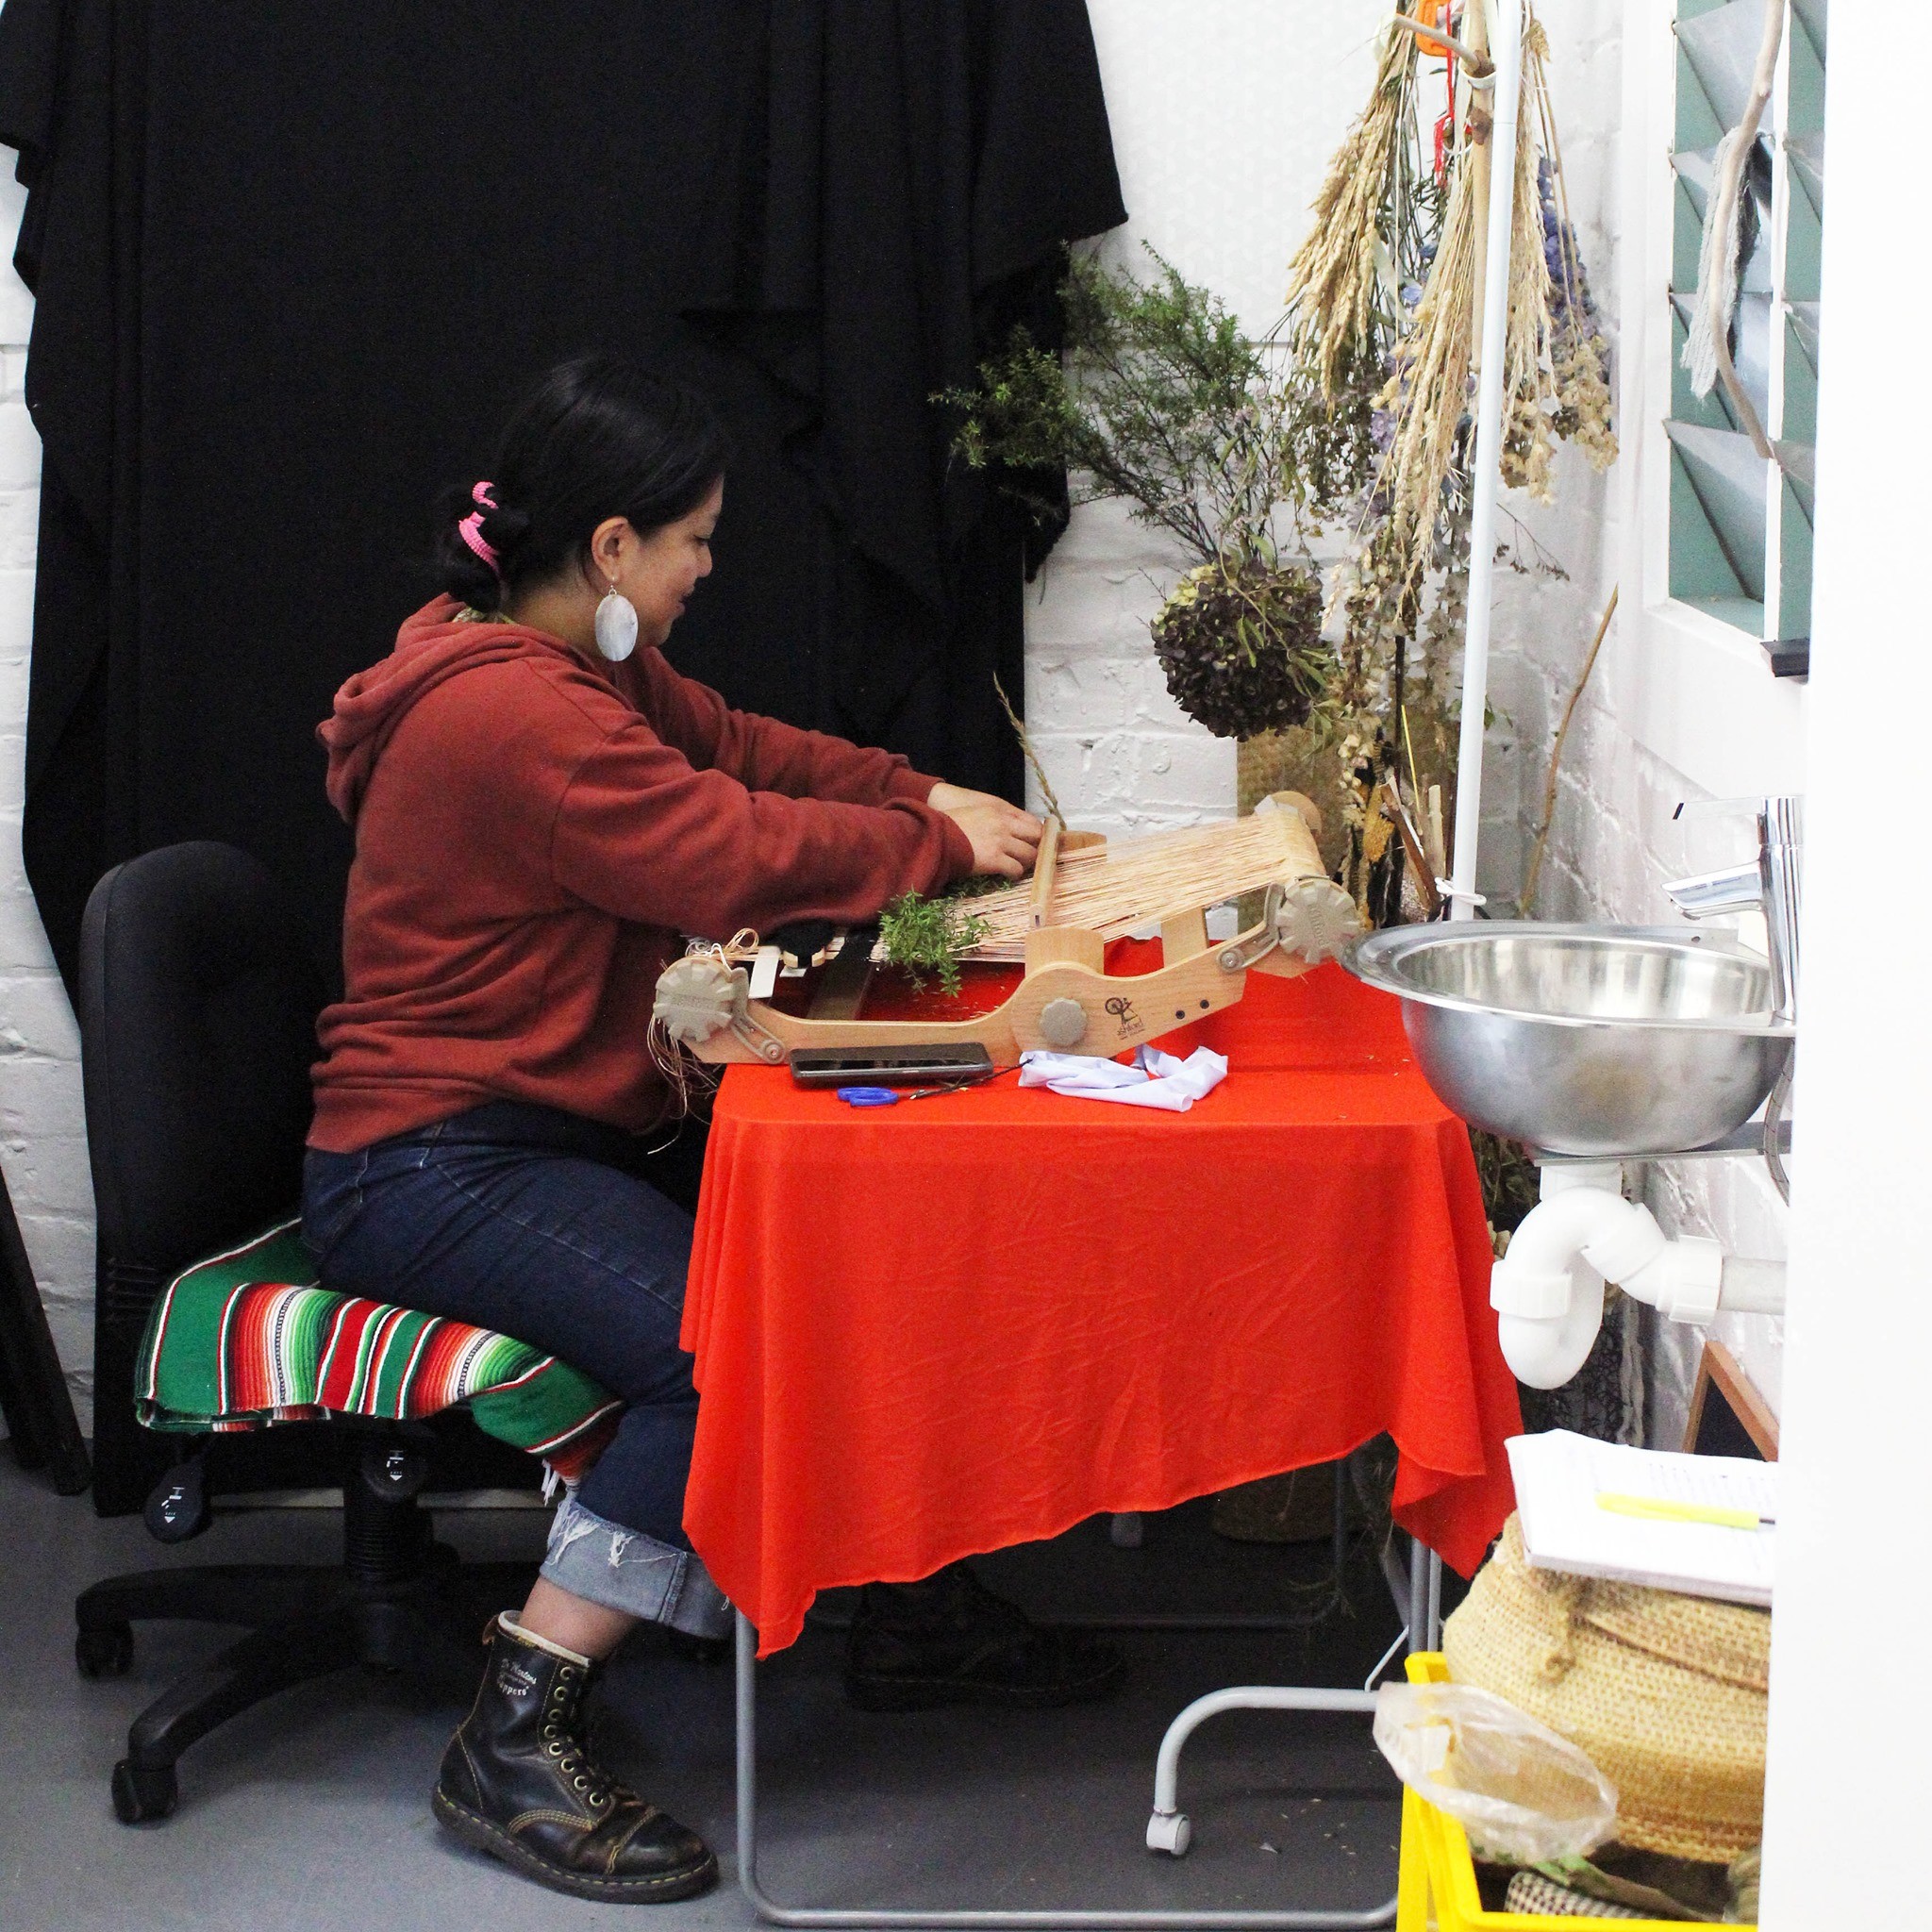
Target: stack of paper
column 1564, row 1479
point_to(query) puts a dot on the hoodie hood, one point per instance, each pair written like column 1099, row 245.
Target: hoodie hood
column 439, row 643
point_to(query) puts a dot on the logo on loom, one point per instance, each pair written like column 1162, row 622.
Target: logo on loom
column 1129, row 1022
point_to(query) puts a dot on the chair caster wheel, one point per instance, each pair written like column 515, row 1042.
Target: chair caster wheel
column 1169, row 1832
column 143, row 1797
column 106, row 1651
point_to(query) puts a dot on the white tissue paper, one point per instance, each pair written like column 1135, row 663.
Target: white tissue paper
column 1155, row 1079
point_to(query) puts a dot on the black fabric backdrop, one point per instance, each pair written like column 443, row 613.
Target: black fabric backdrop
column 290, row 263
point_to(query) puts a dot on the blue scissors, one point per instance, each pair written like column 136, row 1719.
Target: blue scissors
column 891, row 1096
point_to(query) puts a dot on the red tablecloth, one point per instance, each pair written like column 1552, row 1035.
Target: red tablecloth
column 957, row 1323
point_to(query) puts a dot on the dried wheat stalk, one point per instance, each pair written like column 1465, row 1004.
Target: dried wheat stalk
column 1111, row 888
column 1428, row 392
column 1332, row 282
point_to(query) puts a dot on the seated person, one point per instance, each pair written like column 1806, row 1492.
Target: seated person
column 542, row 804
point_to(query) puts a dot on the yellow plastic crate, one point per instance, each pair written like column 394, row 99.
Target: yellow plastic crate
column 1437, row 1891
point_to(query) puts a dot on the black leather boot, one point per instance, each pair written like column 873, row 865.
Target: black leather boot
column 518, row 1781
column 949, row 1639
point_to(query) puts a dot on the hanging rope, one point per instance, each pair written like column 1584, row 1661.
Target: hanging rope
column 1707, row 349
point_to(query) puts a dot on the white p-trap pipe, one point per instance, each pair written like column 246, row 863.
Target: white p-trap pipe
column 1548, row 1290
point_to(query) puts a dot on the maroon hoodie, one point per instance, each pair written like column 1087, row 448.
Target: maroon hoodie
column 534, row 832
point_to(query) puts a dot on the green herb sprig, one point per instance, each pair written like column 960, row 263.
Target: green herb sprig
column 924, row 936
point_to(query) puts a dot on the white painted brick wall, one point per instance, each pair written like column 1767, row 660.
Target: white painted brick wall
column 1224, row 116
column 43, row 1137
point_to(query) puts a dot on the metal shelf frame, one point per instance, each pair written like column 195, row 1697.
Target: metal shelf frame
column 1422, row 1631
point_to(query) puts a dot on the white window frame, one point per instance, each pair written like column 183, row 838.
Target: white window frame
column 1696, row 692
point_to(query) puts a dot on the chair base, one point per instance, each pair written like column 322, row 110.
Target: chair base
column 400, row 1603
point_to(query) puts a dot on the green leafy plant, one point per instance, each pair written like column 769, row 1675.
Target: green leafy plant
column 1219, row 440
column 924, row 936
column 1161, row 400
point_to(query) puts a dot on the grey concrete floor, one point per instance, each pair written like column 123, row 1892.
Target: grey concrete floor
column 312, row 1811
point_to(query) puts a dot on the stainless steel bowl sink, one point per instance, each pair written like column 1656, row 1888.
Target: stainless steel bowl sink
column 1591, row 1039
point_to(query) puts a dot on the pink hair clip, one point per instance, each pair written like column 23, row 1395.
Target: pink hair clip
column 472, row 526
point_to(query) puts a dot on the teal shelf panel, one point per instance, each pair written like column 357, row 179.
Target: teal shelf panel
column 1741, row 613
column 1794, row 562
column 1803, row 237
column 1717, row 515
column 1801, row 381
column 1719, row 45
column 1723, row 511
column 1812, row 14
column 1709, row 413
column 1804, row 86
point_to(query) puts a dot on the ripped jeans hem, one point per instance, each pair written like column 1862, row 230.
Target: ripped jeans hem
column 628, row 1571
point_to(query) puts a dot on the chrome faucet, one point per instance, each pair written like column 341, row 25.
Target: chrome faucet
column 1768, row 884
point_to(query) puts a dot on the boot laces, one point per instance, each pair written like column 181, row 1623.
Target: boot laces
column 564, row 1741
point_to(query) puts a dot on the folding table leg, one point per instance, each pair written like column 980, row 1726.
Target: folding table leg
column 1168, row 1829
column 773, row 1913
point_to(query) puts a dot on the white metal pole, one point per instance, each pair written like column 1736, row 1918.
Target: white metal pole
column 1506, row 50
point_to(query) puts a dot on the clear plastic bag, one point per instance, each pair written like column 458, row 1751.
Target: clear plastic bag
column 1522, row 1793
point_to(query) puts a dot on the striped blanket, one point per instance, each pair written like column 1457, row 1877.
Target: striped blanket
column 247, row 1338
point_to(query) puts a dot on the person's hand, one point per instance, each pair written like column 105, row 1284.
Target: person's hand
column 1005, row 839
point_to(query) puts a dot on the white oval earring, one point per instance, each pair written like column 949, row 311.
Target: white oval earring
column 617, row 626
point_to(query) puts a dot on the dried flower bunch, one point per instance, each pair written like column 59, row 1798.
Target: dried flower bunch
column 1242, row 647
column 1391, row 276
column 1559, row 369
column 1554, row 384
column 1343, row 279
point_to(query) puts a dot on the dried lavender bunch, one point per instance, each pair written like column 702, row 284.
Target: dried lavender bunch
column 1580, row 356
column 1558, row 362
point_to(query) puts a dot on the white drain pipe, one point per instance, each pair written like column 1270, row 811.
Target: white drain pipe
column 1548, row 1290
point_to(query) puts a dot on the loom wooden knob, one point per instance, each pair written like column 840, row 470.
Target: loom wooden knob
column 1062, row 1023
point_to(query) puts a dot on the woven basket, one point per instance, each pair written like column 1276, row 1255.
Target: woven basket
column 1667, row 1694
column 1293, row 761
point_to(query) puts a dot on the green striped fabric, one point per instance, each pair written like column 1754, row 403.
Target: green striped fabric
column 247, row 1338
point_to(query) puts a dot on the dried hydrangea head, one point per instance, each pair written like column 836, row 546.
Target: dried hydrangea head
column 1242, row 647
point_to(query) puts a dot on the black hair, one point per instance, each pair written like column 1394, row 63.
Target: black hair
column 595, row 437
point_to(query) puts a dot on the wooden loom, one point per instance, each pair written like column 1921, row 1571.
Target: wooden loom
column 1083, row 892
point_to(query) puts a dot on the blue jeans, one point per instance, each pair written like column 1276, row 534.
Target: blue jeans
column 541, row 1226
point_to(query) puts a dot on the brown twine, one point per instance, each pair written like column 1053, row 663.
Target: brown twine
column 687, row 1078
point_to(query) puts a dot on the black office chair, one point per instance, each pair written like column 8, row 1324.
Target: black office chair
column 197, row 1013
